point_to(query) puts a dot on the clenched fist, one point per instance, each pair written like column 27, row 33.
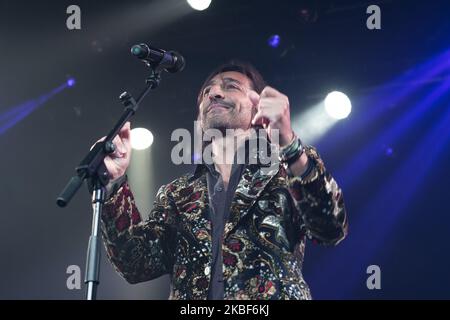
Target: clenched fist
column 117, row 162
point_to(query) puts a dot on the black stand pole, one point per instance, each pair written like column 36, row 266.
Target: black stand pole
column 92, row 167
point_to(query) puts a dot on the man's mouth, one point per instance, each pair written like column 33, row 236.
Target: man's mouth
column 217, row 106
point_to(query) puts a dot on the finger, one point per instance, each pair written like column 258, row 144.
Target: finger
column 267, row 113
column 99, row 140
column 120, row 147
column 259, row 118
column 270, row 92
column 125, row 135
column 124, row 132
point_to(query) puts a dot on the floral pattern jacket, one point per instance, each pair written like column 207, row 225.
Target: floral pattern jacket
column 271, row 216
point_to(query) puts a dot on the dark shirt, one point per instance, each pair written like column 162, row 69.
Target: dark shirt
column 220, row 203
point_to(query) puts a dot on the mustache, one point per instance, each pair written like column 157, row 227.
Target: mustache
column 221, row 102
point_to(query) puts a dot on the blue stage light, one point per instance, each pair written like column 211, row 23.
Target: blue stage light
column 274, row 41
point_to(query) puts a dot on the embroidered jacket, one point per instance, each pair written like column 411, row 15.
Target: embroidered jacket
column 263, row 246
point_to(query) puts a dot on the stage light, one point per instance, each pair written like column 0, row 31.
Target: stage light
column 274, row 41
column 199, row 5
column 13, row 115
column 338, row 105
column 70, row 82
column 313, row 123
column 141, row 138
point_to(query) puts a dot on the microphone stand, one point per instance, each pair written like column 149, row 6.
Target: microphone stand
column 92, row 167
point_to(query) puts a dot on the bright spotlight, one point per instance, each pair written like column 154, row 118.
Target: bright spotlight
column 338, row 105
column 141, row 138
column 199, row 5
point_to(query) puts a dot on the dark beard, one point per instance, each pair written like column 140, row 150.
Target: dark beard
column 229, row 120
column 215, row 123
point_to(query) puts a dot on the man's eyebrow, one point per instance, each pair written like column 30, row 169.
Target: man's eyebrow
column 211, row 82
column 231, row 80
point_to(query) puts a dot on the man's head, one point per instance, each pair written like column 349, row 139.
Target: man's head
column 223, row 100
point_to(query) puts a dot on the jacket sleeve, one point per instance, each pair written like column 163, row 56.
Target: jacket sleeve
column 320, row 203
column 139, row 250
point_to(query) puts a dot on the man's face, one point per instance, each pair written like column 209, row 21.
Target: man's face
column 225, row 103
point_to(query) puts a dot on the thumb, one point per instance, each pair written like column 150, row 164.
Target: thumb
column 258, row 118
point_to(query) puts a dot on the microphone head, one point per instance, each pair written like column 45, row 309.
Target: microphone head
column 171, row 61
column 140, row 51
column 179, row 62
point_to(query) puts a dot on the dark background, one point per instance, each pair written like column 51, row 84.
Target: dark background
column 397, row 201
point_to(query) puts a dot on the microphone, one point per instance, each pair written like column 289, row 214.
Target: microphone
column 170, row 61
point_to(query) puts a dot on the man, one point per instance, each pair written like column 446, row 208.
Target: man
column 230, row 230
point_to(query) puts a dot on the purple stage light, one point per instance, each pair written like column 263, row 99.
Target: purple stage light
column 274, row 41
column 15, row 114
column 70, row 82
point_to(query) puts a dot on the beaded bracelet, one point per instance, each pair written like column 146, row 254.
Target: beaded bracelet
column 291, row 152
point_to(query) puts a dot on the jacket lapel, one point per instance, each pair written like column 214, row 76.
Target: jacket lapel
column 253, row 181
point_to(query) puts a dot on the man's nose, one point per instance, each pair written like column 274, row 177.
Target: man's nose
column 215, row 92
